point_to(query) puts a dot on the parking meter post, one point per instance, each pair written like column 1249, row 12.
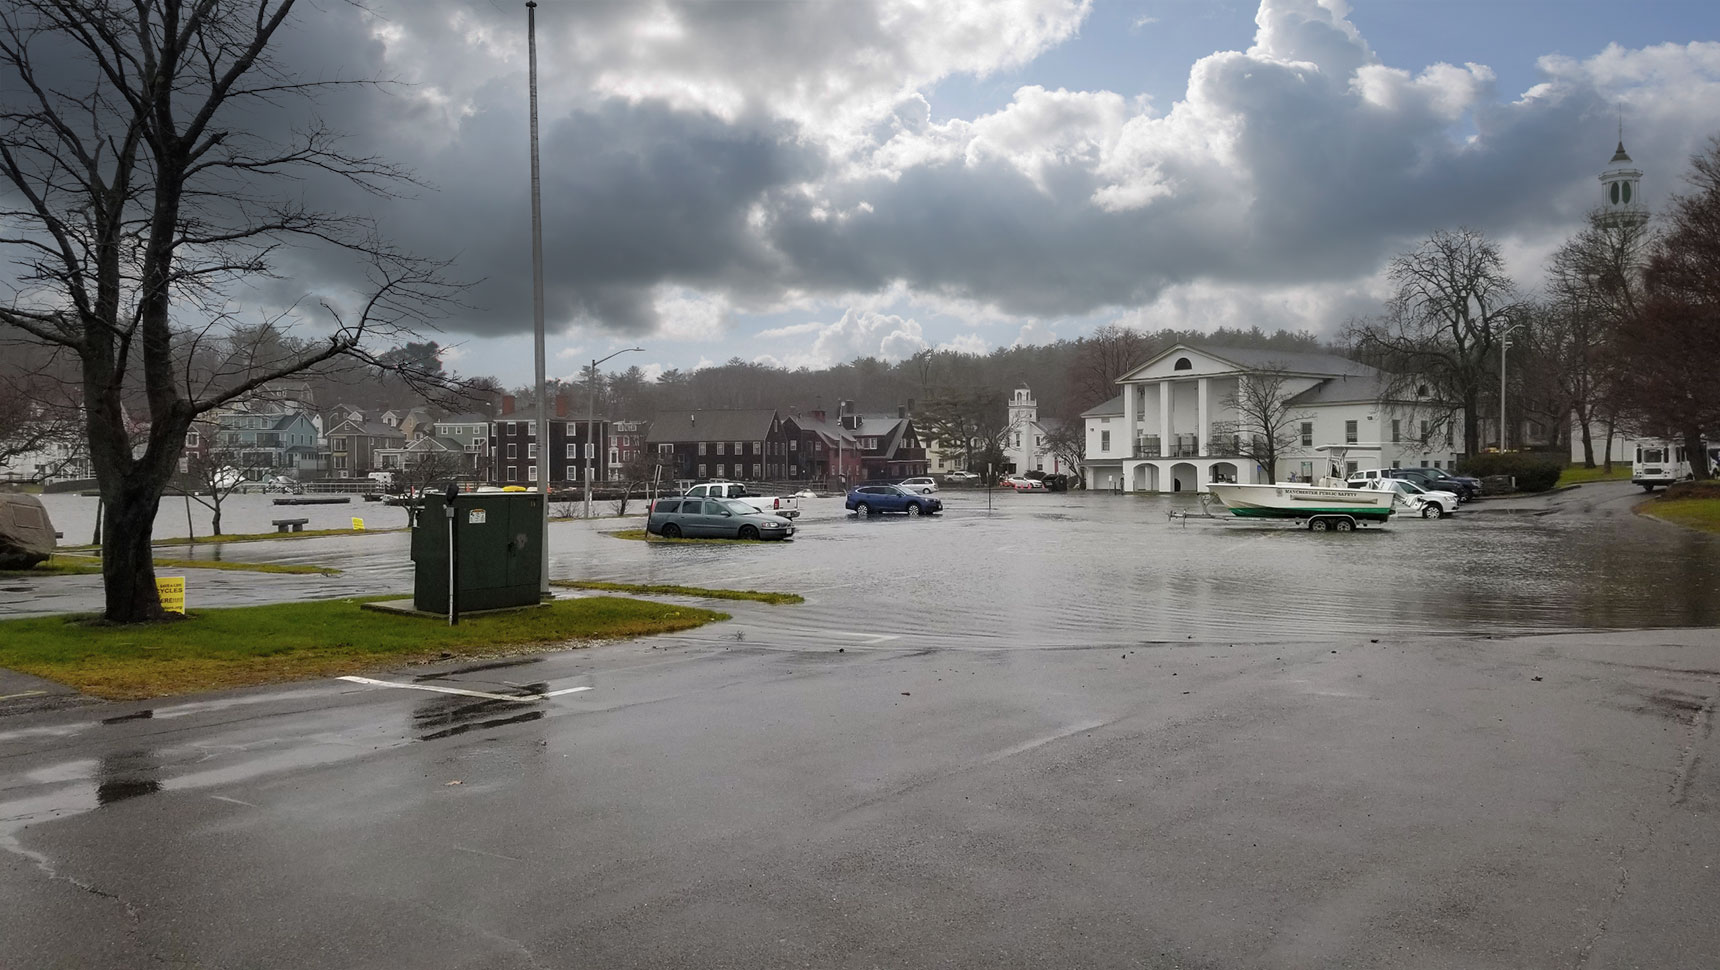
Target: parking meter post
column 453, row 556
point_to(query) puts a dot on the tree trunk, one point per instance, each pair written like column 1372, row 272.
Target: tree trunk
column 1471, row 424
column 215, row 524
column 1697, row 454
column 1588, row 445
column 1612, row 428
column 128, row 561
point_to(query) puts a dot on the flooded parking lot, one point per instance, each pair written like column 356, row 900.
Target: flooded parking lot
column 1075, row 569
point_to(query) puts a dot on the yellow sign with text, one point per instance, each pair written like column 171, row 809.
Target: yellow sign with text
column 171, row 589
column 357, row 524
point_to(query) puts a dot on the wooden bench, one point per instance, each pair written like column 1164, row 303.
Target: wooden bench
column 289, row 525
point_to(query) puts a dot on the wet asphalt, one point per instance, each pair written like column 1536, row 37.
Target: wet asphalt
column 1072, row 733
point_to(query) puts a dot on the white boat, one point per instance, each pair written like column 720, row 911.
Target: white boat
column 1326, row 504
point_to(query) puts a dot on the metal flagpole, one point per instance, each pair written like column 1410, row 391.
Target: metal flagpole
column 537, row 304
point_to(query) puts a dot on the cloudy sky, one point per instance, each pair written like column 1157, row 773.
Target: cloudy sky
column 802, row 183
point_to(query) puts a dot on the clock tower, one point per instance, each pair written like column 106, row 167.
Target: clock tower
column 1621, row 190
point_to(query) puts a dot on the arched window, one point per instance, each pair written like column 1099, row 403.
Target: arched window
column 1614, row 193
column 1183, row 363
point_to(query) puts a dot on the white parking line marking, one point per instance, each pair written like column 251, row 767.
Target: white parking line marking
column 224, row 798
column 516, row 698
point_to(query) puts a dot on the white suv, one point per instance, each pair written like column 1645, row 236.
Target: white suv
column 925, row 486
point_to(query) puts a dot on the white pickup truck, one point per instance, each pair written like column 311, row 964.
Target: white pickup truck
column 786, row 506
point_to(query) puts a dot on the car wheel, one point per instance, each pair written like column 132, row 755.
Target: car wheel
column 671, row 531
column 1430, row 510
column 1344, row 525
column 913, row 509
column 1318, row 525
column 862, row 510
column 748, row 532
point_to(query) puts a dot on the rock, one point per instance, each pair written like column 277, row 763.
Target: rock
column 26, row 533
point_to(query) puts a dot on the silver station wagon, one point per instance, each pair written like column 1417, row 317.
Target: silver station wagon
column 714, row 518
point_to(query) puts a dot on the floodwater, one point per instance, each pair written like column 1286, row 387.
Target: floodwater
column 75, row 515
column 1093, row 569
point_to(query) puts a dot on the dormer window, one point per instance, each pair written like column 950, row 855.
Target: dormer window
column 1183, row 363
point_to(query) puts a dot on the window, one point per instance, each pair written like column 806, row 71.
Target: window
column 513, row 427
column 1307, row 434
column 1349, row 466
column 701, row 471
column 1424, row 431
column 531, row 428
column 340, row 462
column 1018, row 439
column 570, row 451
column 720, row 467
column 758, row 447
column 572, row 473
column 1183, row 363
column 1349, row 432
column 1307, row 471
column 738, row 448
column 1395, row 438
column 531, row 473
column 191, row 439
column 722, row 448
column 1397, row 464
column 794, row 444
column 513, row 473
column 701, row 447
column 667, row 505
column 666, row 448
column 513, row 450
column 1436, row 463
column 531, row 450
column 1104, row 441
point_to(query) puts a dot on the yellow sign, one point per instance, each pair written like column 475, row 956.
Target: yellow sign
column 357, row 524
column 171, row 589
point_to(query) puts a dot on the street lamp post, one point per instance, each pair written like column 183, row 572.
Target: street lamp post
column 591, row 422
column 1504, row 342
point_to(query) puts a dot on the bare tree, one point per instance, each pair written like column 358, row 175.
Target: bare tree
column 968, row 426
column 1267, row 425
column 1067, row 441
column 213, row 474
column 430, row 469
column 1107, row 354
column 137, row 199
column 1441, row 327
column 1668, row 352
column 1594, row 284
column 33, row 416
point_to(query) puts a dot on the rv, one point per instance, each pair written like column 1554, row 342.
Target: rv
column 1660, row 463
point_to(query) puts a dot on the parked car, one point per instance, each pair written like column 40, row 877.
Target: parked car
column 1022, row 483
column 960, row 478
column 714, row 518
column 1424, row 502
column 867, row 499
column 923, row 485
column 1439, row 480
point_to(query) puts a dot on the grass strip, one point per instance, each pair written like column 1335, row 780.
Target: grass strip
column 662, row 590
column 642, row 535
column 252, row 537
column 1692, row 513
column 1578, row 475
column 63, row 565
column 241, row 646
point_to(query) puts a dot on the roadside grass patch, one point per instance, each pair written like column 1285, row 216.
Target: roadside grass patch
column 1693, row 513
column 242, row 646
column 1578, row 475
column 779, row 599
column 642, row 535
column 63, row 565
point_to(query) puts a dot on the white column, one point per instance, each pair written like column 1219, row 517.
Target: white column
column 1202, row 433
column 1164, row 418
column 1129, row 420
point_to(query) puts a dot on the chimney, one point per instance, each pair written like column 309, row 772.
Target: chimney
column 693, row 419
column 561, row 405
column 901, row 410
column 507, row 404
column 818, row 415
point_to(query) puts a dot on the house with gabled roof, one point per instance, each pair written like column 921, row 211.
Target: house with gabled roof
column 820, row 449
column 749, row 444
column 1175, row 428
column 354, row 447
column 890, row 447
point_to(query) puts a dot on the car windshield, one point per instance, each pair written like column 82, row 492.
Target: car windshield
column 1410, row 487
column 739, row 508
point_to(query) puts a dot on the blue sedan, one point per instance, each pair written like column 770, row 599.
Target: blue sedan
column 867, row 499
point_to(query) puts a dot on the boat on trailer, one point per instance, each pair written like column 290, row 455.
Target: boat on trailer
column 1329, row 504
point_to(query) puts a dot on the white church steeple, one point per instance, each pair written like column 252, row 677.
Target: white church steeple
column 1621, row 188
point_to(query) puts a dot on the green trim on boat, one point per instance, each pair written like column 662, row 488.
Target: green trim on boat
column 1258, row 513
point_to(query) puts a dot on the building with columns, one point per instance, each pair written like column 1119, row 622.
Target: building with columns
column 1172, row 428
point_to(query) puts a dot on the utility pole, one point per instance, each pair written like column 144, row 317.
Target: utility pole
column 537, row 305
column 1504, row 342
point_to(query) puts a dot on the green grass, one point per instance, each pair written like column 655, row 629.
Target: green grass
column 1694, row 513
column 64, row 565
column 221, row 648
column 715, row 594
column 1578, row 475
column 641, row 534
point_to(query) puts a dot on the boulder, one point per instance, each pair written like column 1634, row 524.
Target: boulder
column 26, row 533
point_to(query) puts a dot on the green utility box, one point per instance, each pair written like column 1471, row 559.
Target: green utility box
column 500, row 551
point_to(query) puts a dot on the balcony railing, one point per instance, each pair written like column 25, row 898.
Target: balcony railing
column 1218, row 445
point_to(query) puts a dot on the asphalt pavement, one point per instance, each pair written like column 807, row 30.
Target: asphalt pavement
column 879, row 784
